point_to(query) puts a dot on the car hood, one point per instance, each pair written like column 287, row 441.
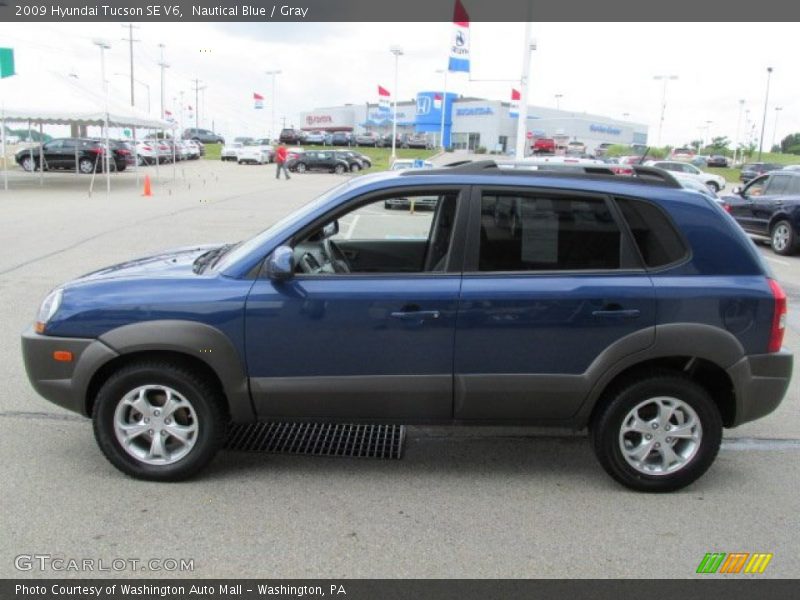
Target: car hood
column 177, row 262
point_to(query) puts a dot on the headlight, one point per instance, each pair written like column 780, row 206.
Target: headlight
column 48, row 309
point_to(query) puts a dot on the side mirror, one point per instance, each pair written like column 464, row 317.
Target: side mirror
column 330, row 229
column 280, row 264
column 738, row 190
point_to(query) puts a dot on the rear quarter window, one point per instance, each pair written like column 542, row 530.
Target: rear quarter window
column 658, row 241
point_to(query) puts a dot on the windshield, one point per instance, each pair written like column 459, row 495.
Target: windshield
column 244, row 248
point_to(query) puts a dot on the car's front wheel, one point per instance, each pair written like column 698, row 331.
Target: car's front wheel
column 158, row 421
column 28, row 164
column 355, row 168
column 86, row 166
column 338, row 169
column 783, row 238
column 657, row 433
column 300, row 167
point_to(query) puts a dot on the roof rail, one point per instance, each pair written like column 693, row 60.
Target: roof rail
column 651, row 175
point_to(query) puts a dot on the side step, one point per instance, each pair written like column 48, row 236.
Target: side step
column 319, row 439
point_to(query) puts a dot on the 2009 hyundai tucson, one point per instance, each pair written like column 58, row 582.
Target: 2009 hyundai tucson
column 623, row 304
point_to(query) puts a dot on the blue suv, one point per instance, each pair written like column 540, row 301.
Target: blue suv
column 574, row 297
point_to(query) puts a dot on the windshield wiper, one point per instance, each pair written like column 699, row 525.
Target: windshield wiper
column 207, row 258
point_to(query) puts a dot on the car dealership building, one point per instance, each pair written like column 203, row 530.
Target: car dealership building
column 470, row 123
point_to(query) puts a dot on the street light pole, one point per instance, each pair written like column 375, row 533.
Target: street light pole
column 764, row 120
column 558, row 101
column 665, row 78
column 163, row 66
column 272, row 124
column 737, row 141
column 104, row 45
column 522, row 119
column 398, row 52
column 778, row 109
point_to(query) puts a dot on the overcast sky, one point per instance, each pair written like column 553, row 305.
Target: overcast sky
column 602, row 68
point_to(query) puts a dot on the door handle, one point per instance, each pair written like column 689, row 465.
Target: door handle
column 619, row 313
column 415, row 315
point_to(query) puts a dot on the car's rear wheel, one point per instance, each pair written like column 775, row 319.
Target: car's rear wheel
column 355, row 168
column 713, row 186
column 300, row 167
column 338, row 169
column 783, row 238
column 657, row 433
column 158, row 421
column 86, row 166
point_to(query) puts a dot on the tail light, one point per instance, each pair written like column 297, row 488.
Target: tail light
column 96, row 150
column 778, row 317
column 727, row 207
column 123, row 152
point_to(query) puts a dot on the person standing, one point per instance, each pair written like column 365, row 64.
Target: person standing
column 280, row 161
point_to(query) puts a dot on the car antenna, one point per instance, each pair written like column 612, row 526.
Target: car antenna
column 646, row 150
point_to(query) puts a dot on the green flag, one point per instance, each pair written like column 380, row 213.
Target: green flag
column 6, row 62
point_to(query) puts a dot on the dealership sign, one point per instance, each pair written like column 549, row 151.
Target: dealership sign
column 477, row 111
column 605, row 129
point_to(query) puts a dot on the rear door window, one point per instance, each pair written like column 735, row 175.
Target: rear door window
column 540, row 233
column 777, row 185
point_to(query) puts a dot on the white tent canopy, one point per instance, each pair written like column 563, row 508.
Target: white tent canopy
column 67, row 101
column 56, row 99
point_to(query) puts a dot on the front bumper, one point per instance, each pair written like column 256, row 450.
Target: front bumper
column 760, row 382
column 63, row 383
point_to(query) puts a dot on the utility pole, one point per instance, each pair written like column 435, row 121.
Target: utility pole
column 163, row 66
column 524, row 81
column 130, row 41
column 197, row 89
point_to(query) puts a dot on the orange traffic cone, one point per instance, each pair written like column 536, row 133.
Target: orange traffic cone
column 147, row 190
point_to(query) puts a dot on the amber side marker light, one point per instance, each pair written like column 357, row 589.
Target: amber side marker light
column 62, row 356
column 39, row 327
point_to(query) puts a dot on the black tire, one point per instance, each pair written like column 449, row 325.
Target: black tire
column 619, row 402
column 339, row 169
column 86, row 166
column 712, row 185
column 783, row 238
column 300, row 167
column 354, row 168
column 206, row 401
column 29, row 164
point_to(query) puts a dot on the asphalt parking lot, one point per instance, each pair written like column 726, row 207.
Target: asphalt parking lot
column 469, row 502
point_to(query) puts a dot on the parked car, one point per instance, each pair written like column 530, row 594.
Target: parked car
column 290, row 136
column 244, row 141
column 682, row 154
column 304, row 322
column 369, row 138
column 314, row 137
column 231, row 151
column 366, row 161
column 717, row 160
column 712, row 180
column 146, row 152
column 341, row 138
column 318, row 160
column 61, row 153
column 602, row 149
column 122, row 149
column 700, row 160
column 418, row 141
column 265, row 147
column 576, row 147
column 189, row 150
column 692, row 183
column 254, row 155
column 769, row 207
column 386, row 140
column 753, row 170
column 543, row 145
column 206, row 136
column 355, row 164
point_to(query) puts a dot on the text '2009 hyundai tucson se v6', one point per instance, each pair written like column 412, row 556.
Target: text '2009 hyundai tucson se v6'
column 625, row 305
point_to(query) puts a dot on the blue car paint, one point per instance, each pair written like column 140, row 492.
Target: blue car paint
column 487, row 324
